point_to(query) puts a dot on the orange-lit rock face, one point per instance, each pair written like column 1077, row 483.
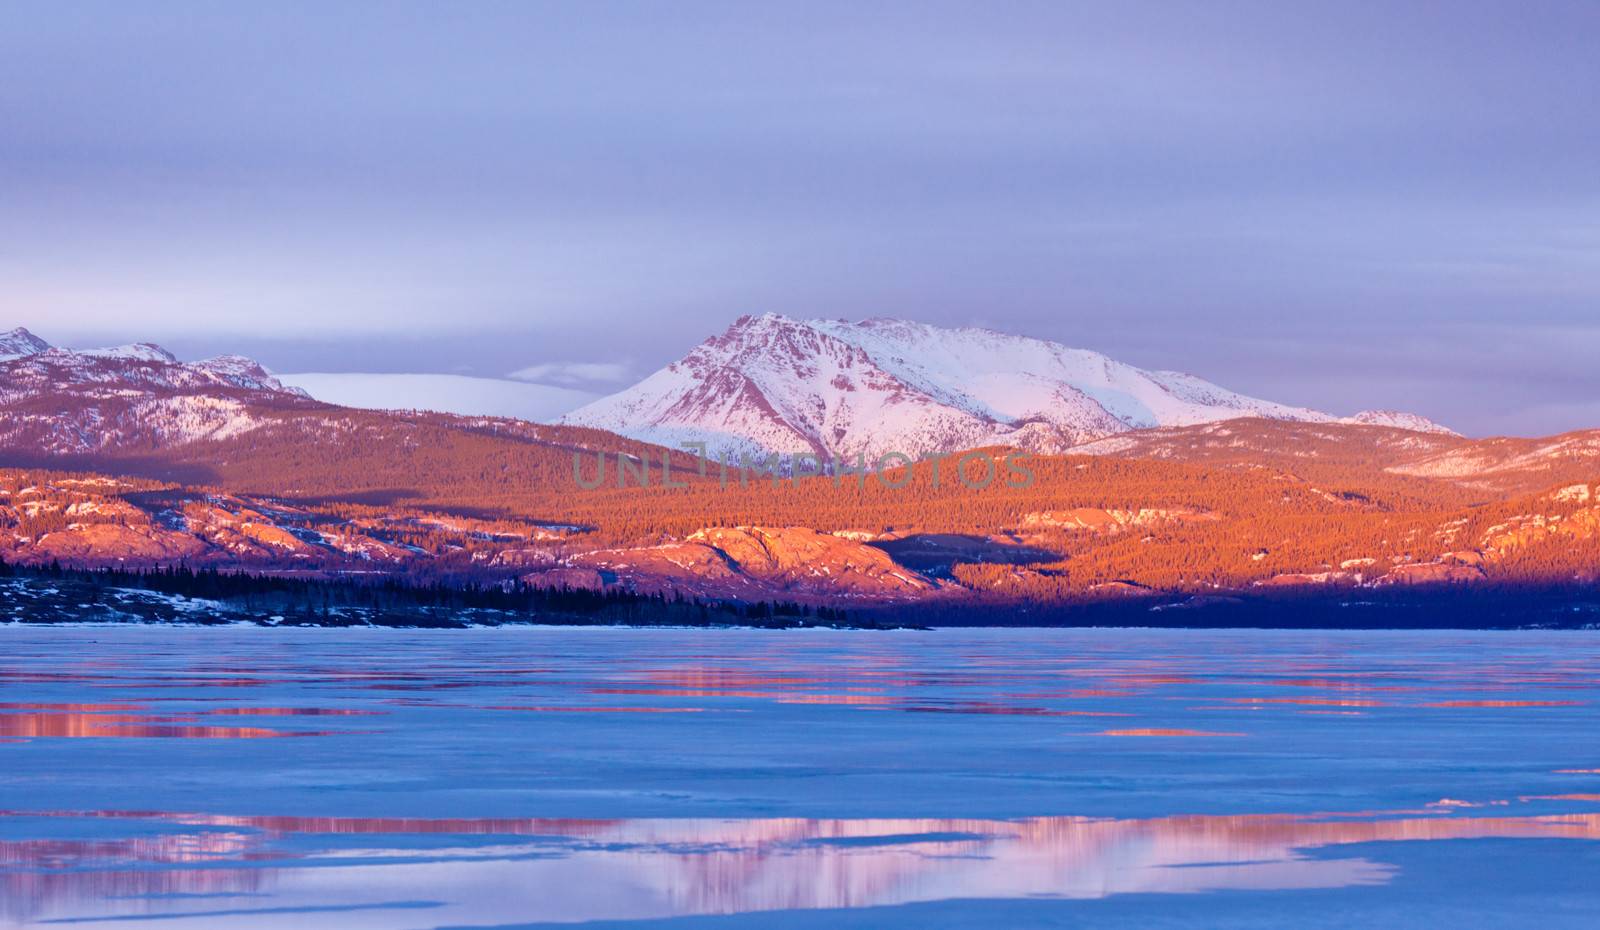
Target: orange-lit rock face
column 1529, row 529
column 102, row 508
column 107, row 542
column 577, row 579
column 270, row 535
column 1120, row 589
column 1102, row 520
column 244, row 532
column 754, row 562
column 367, row 548
column 1304, row 579
column 801, row 556
column 1432, row 573
column 1244, row 528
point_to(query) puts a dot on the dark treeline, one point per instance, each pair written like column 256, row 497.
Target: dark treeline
column 1444, row 607
column 78, row 594
column 392, row 601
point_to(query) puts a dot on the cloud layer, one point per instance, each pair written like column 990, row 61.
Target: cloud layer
column 507, row 187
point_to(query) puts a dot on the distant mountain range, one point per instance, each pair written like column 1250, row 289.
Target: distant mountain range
column 1165, row 488
column 768, row 384
column 144, row 363
column 838, row 389
column 64, row 401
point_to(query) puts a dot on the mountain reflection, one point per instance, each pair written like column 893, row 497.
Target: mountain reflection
column 599, row 869
column 101, row 725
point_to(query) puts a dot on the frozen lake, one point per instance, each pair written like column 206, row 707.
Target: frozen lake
column 250, row 778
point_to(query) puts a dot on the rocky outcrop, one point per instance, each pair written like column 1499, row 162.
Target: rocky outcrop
column 576, row 579
column 751, row 562
column 1110, row 520
column 91, row 522
column 1528, row 529
column 1430, row 573
column 115, row 543
column 1111, row 589
column 1308, row 579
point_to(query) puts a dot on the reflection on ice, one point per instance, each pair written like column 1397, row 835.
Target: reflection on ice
column 567, row 869
column 713, row 772
column 112, row 725
column 1163, row 731
column 1503, row 704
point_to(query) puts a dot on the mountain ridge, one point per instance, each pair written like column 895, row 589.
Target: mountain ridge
column 211, row 463
column 57, row 401
column 836, row 389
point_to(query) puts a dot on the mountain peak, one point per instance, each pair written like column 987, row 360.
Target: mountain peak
column 37, row 367
column 133, row 352
column 19, row 343
column 1399, row 419
column 126, row 396
column 242, row 372
column 759, row 323
column 771, row 383
column 752, row 320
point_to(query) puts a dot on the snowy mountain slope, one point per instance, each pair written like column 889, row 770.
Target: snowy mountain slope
column 1003, row 373
column 1398, row 419
column 240, row 372
column 62, row 401
column 34, row 362
column 840, row 389
column 133, row 352
column 19, row 343
column 770, row 384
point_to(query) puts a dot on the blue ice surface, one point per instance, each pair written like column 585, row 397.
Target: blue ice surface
column 730, row 778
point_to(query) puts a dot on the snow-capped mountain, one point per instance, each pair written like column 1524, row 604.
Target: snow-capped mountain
column 133, row 352
column 840, row 389
column 70, row 401
column 1398, row 419
column 31, row 361
column 18, row 343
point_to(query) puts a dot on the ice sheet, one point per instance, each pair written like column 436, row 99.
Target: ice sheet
column 385, row 779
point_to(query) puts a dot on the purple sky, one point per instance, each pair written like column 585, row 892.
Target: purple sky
column 1341, row 205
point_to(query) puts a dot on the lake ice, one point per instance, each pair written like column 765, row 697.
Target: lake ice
column 251, row 778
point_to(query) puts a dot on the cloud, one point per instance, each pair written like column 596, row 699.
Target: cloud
column 1158, row 181
column 572, row 372
column 445, row 393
